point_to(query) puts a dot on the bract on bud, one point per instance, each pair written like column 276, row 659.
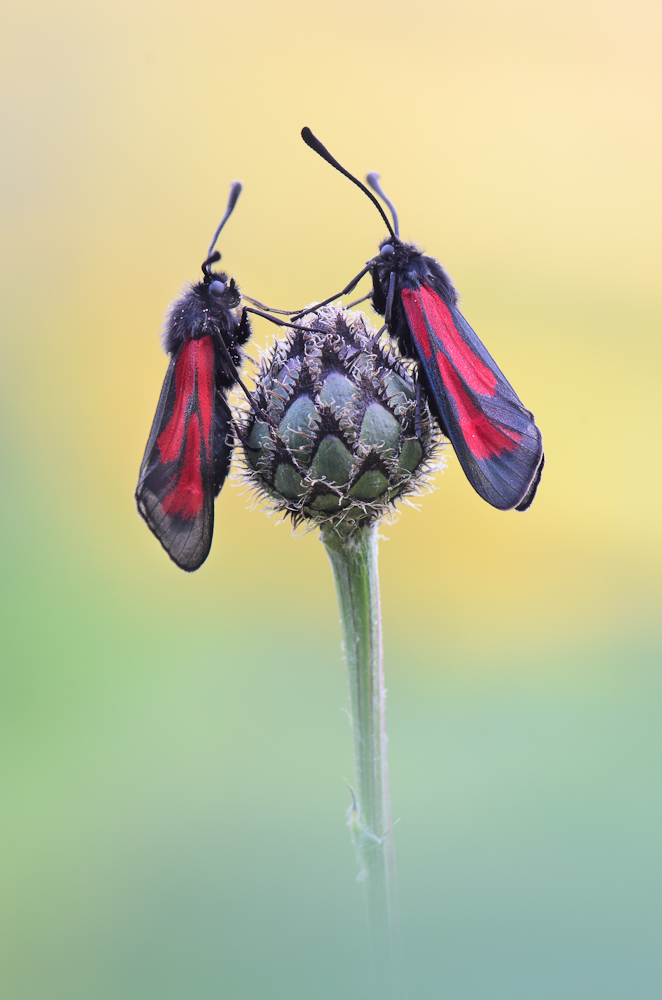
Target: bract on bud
column 348, row 433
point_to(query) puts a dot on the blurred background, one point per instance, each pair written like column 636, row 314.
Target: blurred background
column 174, row 746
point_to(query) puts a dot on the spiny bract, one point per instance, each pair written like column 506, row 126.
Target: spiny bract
column 347, row 434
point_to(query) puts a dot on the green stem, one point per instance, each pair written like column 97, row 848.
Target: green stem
column 354, row 563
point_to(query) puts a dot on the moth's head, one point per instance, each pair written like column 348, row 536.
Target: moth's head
column 390, row 249
column 219, row 290
column 394, row 255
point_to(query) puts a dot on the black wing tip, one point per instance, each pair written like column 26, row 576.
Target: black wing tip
column 190, row 567
column 195, row 558
column 533, row 488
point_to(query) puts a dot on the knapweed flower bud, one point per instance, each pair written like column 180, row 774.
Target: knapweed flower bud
column 348, row 433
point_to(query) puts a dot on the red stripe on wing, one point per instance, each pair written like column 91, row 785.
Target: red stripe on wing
column 194, row 368
column 411, row 299
column 186, row 497
column 457, row 367
column 187, row 437
column 421, row 304
column 483, row 438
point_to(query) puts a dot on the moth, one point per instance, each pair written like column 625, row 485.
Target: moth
column 494, row 436
column 188, row 453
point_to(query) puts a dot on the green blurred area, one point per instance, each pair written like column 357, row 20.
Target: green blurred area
column 173, row 746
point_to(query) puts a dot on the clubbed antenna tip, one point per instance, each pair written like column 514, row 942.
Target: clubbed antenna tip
column 235, row 191
column 373, row 180
column 314, row 143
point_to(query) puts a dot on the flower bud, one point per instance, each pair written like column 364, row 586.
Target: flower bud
column 348, row 433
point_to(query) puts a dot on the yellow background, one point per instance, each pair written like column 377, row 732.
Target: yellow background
column 173, row 745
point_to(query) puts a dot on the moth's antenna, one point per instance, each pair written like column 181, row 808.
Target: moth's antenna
column 373, row 181
column 322, row 151
column 235, row 191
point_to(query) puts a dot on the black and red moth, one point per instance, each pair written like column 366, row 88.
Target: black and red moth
column 495, row 438
column 188, row 453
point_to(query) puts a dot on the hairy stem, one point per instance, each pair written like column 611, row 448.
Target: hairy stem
column 354, row 563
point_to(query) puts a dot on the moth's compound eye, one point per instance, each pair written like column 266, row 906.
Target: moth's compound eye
column 386, row 250
column 217, row 287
